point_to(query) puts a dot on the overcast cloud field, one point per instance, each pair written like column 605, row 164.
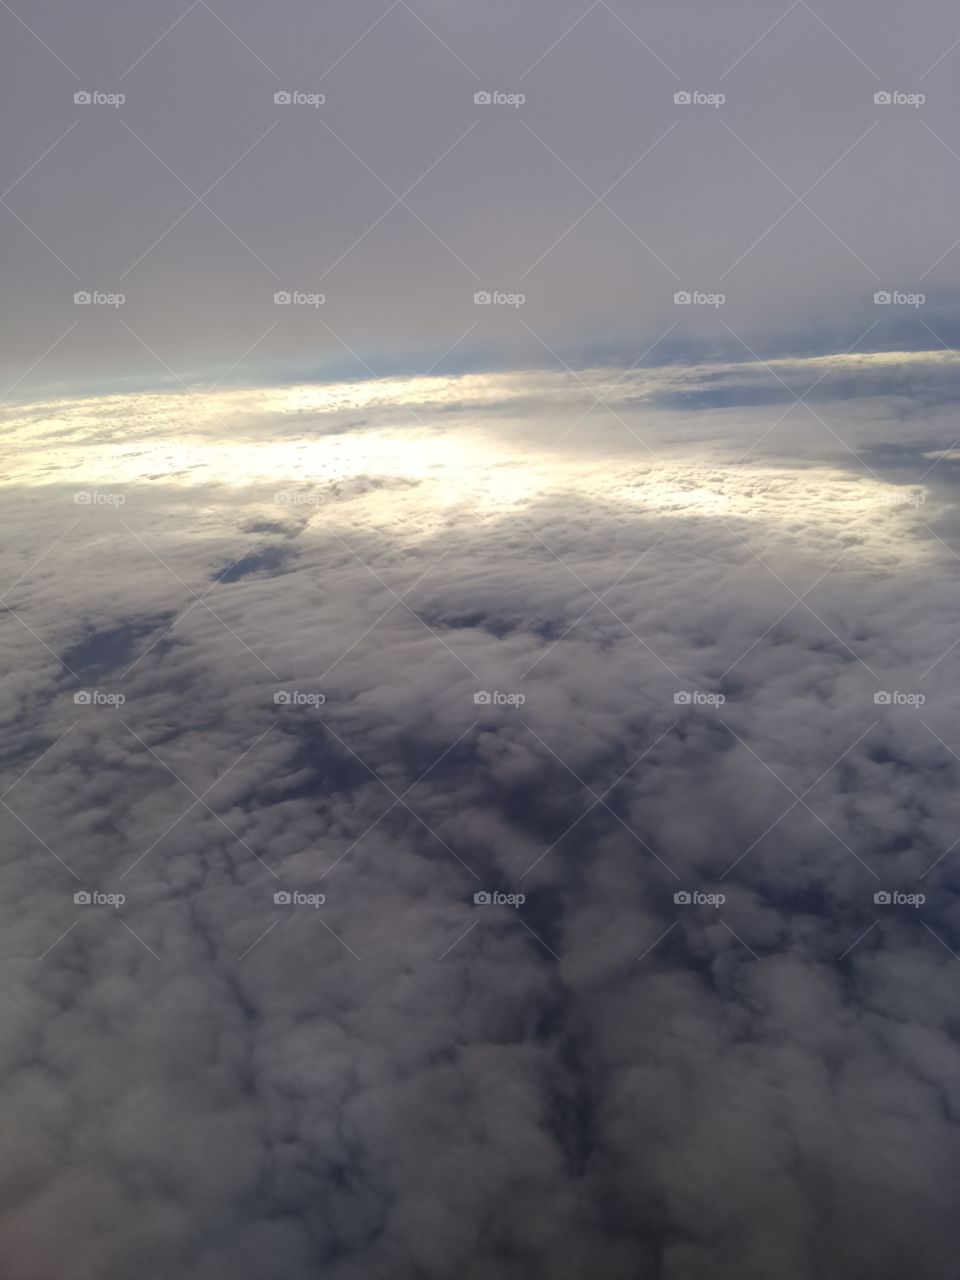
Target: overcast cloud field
column 480, row 638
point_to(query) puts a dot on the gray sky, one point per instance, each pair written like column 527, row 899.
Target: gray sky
column 598, row 198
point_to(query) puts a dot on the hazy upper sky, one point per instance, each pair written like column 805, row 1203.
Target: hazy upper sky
column 598, row 198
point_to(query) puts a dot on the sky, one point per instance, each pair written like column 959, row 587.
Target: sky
column 479, row 630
